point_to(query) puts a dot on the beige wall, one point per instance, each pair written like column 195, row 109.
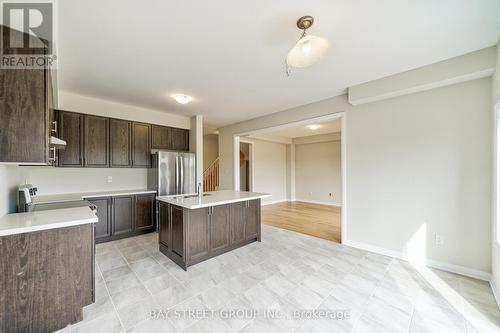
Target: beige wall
column 495, row 246
column 318, row 172
column 8, row 184
column 423, row 162
column 210, row 149
column 269, row 169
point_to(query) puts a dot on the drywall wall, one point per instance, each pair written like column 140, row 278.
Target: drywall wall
column 210, row 149
column 420, row 166
column 495, row 255
column 50, row 180
column 7, row 190
column 318, row 172
column 269, row 169
column 85, row 104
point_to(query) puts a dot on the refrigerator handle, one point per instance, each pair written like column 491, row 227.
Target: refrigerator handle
column 181, row 158
column 177, row 174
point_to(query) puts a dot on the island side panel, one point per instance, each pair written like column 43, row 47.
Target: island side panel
column 54, row 267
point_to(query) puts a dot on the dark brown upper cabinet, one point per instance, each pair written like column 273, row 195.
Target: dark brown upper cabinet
column 160, row 137
column 170, row 138
column 120, row 143
column 141, row 145
column 25, row 106
column 179, row 139
column 96, row 141
column 70, row 129
column 144, row 211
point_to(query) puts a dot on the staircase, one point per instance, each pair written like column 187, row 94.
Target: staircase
column 211, row 177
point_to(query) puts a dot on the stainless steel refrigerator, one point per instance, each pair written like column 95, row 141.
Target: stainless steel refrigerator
column 172, row 173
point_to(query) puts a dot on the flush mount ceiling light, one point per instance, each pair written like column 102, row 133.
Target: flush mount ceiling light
column 313, row 127
column 308, row 50
column 182, row 99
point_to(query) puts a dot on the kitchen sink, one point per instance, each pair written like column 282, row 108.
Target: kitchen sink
column 192, row 196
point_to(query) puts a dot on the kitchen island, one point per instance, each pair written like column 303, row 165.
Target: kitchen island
column 194, row 229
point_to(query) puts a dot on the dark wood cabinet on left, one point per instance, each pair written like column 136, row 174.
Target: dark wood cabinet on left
column 26, row 108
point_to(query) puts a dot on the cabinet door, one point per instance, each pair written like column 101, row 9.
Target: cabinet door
column 120, row 143
column 96, row 142
column 144, row 211
column 164, row 224
column 70, row 129
column 160, row 137
column 219, row 228
column 123, row 215
column 23, row 109
column 141, row 145
column 252, row 219
column 180, row 139
column 177, row 230
column 237, row 221
column 103, row 227
column 198, row 233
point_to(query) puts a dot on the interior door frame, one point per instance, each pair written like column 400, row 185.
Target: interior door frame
column 495, row 205
column 343, row 156
column 250, row 163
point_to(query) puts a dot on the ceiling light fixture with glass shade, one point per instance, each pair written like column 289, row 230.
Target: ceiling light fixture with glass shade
column 308, row 50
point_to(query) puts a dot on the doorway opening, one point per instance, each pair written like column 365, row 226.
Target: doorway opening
column 302, row 164
column 246, row 166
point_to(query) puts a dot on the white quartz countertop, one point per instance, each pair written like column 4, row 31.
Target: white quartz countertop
column 212, row 198
column 49, row 198
column 19, row 223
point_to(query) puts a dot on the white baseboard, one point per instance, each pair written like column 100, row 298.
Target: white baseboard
column 462, row 270
column 328, row 203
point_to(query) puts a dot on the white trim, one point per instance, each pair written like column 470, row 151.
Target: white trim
column 327, row 203
column 424, row 87
column 462, row 270
column 496, row 292
column 343, row 161
column 272, row 202
column 304, row 122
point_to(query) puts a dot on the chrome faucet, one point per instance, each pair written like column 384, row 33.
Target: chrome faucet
column 200, row 193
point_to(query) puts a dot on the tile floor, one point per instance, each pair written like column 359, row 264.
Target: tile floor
column 286, row 272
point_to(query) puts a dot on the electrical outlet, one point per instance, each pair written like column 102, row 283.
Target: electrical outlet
column 110, row 179
column 439, row 240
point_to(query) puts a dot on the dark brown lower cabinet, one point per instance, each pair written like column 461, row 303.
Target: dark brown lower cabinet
column 103, row 227
column 47, row 278
column 124, row 216
column 189, row 236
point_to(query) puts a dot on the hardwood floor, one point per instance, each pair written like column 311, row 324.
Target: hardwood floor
column 312, row 219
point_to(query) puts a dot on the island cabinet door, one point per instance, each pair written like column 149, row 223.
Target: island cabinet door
column 219, row 228
column 237, row 222
column 177, row 230
column 164, row 222
column 198, row 234
column 252, row 219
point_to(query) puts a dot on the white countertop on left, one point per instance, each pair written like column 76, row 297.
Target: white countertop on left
column 12, row 224
column 40, row 199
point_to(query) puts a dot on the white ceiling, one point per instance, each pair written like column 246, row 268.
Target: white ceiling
column 229, row 55
column 327, row 127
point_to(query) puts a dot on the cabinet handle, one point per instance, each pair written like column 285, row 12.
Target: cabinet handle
column 54, row 129
column 53, row 158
